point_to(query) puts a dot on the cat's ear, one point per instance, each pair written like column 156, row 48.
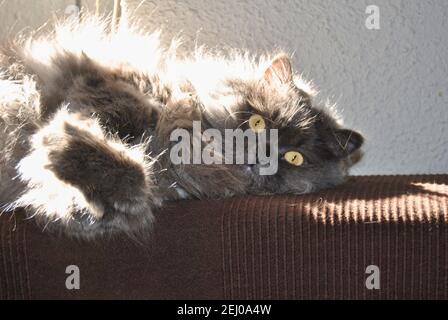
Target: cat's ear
column 280, row 71
column 344, row 142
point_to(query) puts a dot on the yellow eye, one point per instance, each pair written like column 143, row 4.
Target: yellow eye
column 294, row 158
column 256, row 123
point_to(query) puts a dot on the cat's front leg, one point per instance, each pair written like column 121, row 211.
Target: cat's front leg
column 89, row 182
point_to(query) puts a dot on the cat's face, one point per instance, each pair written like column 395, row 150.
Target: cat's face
column 314, row 152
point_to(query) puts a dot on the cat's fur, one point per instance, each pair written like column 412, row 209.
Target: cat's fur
column 86, row 115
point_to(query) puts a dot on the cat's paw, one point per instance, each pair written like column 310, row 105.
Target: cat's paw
column 88, row 181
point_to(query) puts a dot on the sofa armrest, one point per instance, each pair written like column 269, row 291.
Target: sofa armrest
column 314, row 246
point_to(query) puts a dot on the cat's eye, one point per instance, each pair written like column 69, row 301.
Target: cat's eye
column 295, row 158
column 257, row 123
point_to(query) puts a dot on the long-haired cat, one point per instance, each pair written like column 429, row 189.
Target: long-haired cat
column 86, row 116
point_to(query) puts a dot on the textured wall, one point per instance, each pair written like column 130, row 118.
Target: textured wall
column 16, row 15
column 391, row 84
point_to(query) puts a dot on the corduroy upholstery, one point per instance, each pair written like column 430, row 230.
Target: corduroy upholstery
column 315, row 246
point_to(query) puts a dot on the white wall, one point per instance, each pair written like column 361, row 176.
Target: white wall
column 391, row 84
column 16, row 15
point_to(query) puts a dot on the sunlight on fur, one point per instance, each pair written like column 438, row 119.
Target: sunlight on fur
column 86, row 116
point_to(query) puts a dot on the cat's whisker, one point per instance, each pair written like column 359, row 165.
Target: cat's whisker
column 235, row 113
column 242, row 124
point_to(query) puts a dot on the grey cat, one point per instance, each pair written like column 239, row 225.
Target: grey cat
column 86, row 117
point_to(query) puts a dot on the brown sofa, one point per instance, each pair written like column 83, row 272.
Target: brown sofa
column 315, row 246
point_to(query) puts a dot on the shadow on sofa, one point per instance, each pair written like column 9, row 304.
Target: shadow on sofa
column 316, row 246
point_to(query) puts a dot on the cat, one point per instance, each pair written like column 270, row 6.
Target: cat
column 86, row 116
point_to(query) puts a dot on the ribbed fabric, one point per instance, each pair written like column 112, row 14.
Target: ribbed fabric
column 318, row 246
column 14, row 277
column 314, row 246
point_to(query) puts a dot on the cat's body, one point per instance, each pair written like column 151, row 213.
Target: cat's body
column 86, row 117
